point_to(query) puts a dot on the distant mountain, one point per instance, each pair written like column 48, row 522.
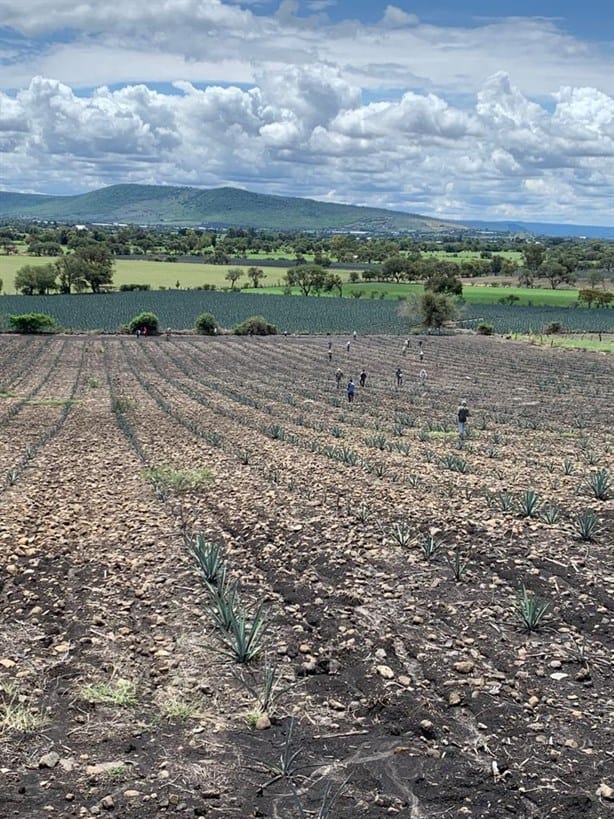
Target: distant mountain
column 546, row 229
column 217, row 207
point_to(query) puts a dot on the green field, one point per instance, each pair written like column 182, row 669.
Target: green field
column 188, row 276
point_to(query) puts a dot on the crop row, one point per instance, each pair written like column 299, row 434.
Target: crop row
column 179, row 309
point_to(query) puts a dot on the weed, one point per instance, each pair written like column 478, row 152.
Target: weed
column 93, row 382
column 178, row 480
column 120, row 405
column 120, row 692
column 530, row 609
column 17, row 717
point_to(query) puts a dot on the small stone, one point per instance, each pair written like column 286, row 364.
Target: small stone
column 605, row 792
column 336, row 705
column 262, row 723
column 385, row 671
column 380, row 654
column 12, row 569
column 5, row 662
column 304, row 648
column 571, row 743
column 455, row 698
column 69, row 797
column 107, row 802
column 130, row 794
column 49, row 760
column 464, row 666
column 403, row 680
column 533, row 701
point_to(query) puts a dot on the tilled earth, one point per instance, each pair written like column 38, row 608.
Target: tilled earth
column 399, row 690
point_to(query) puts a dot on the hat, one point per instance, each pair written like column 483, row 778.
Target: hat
column 463, row 401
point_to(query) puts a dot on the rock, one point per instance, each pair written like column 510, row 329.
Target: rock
column 130, row 794
column 49, row 760
column 5, row 662
column 107, row 802
column 68, row 763
column 455, row 698
column 605, row 792
column 385, row 671
column 103, row 767
column 262, row 723
column 464, row 666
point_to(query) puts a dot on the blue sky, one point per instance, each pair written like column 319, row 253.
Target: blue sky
column 475, row 110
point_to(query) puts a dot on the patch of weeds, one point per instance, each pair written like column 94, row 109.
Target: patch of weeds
column 120, row 692
column 585, row 525
column 18, row 717
column 93, row 382
column 178, row 480
column 530, row 609
column 120, row 405
column 174, row 706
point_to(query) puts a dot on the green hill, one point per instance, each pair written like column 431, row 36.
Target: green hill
column 217, row 207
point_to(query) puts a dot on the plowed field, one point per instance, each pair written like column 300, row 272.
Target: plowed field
column 390, row 560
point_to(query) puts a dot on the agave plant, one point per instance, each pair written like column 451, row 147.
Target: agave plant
column 530, row 609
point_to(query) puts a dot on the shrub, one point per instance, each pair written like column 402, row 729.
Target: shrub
column 552, row 328
column 145, row 320
column 206, row 325
column 32, row 323
column 129, row 288
column 484, row 329
column 255, row 326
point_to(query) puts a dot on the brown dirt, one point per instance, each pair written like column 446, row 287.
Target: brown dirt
column 401, row 691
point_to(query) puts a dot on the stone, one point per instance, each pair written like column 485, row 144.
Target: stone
column 385, row 671
column 605, row 792
column 107, row 802
column 455, row 698
column 262, row 723
column 49, row 760
column 464, row 666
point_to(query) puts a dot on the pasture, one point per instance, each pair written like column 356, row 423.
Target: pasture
column 429, row 620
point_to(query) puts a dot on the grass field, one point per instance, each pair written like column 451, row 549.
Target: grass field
column 188, row 276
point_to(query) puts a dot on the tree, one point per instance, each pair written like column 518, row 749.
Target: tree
column 71, row 273
column 206, row 325
column 436, row 309
column 148, row 321
column 440, row 282
column 233, row 275
column 332, row 282
column 256, row 274
column 556, row 273
column 97, row 268
column 307, row 277
column 255, row 326
column 533, row 255
column 39, row 279
column 396, row 267
column 32, row 323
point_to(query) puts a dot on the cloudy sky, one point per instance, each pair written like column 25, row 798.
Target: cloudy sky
column 498, row 110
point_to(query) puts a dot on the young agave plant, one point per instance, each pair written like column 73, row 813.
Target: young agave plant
column 530, row 609
column 599, row 484
column 208, row 557
column 529, row 503
column 585, row 525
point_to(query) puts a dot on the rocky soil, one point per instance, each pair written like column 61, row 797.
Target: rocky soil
column 398, row 689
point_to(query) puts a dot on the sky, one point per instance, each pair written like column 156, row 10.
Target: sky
column 472, row 110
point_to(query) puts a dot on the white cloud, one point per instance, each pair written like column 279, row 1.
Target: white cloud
column 507, row 115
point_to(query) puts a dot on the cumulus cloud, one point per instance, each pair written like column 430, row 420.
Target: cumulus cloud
column 510, row 117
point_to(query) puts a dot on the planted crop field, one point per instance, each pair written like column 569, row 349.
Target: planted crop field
column 227, row 591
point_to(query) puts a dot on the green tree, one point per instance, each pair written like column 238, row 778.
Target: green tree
column 71, row 273
column 556, row 273
column 206, row 325
column 436, row 309
column 255, row 274
column 32, row 323
column 309, row 278
column 255, row 326
column 533, row 255
column 97, row 261
column 148, row 321
column 332, row 282
column 39, row 279
column 444, row 282
column 233, row 275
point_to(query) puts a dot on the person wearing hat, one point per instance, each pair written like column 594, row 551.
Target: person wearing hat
column 463, row 414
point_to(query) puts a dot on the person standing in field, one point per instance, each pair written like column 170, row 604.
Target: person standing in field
column 363, row 377
column 399, row 377
column 347, row 347
column 330, row 355
column 423, row 376
column 405, row 346
column 351, row 388
column 462, row 414
column 338, row 377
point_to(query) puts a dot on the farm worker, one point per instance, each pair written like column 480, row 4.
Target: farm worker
column 330, row 354
column 423, row 376
column 463, row 413
column 138, row 332
column 363, row 377
column 354, row 335
column 338, row 377
column 350, row 390
column 347, row 346
column 168, row 333
column 330, row 345
column 399, row 376
column 405, row 346
column 421, row 351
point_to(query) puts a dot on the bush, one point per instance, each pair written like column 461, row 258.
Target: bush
column 553, row 327
column 206, row 325
column 148, row 321
column 255, row 326
column 129, row 288
column 484, row 329
column 32, row 323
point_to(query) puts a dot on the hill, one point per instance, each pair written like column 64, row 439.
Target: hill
column 217, row 207
column 546, row 229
